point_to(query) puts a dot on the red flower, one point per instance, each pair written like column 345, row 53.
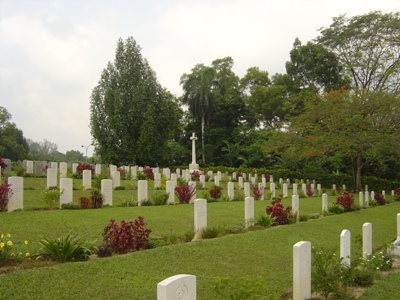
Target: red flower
column 310, row 138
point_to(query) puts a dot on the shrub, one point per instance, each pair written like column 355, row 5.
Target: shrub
column 184, row 193
column 148, row 173
column 281, row 214
column 126, row 237
column 5, row 194
column 335, row 209
column 66, row 248
column 265, row 221
column 104, row 251
column 310, row 191
column 85, row 202
column 346, row 200
column 3, row 165
column 210, row 232
column 70, row 206
column 10, row 250
column 258, row 191
column 160, row 199
column 379, row 199
column 195, row 175
column 96, row 199
column 51, row 196
column 216, row 192
column 81, row 167
column 396, row 194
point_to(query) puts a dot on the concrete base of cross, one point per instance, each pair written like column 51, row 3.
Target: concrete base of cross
column 193, row 167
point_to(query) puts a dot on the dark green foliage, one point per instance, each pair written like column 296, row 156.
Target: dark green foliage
column 132, row 115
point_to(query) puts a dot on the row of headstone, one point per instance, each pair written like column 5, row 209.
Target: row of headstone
column 183, row 286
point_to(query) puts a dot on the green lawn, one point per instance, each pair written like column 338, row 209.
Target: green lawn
column 135, row 275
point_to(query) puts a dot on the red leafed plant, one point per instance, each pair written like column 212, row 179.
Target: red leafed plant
column 3, row 165
column 396, row 194
column 148, row 173
column 310, row 191
column 126, row 237
column 216, row 192
column 257, row 191
column 195, row 175
column 281, row 214
column 346, row 201
column 380, row 199
column 81, row 167
column 5, row 194
column 184, row 193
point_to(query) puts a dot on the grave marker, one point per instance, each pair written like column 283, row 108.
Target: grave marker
column 178, row 287
column 302, row 270
column 142, row 192
column 87, row 179
column 200, row 217
column 16, row 200
column 66, row 191
column 367, row 239
column 249, row 211
column 345, row 247
column 107, row 191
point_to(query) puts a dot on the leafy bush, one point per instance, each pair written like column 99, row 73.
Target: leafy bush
column 66, row 248
column 310, row 191
column 96, row 199
column 336, row 209
column 10, row 250
column 216, row 192
column 104, row 251
column 5, row 194
column 160, row 199
column 265, row 221
column 195, row 175
column 81, row 167
column 380, row 200
column 184, row 193
column 70, row 206
column 346, row 200
column 126, row 237
column 258, row 191
column 85, row 202
column 148, row 173
column 380, row 262
column 210, row 232
column 281, row 214
column 52, row 195
column 3, row 165
column 396, row 194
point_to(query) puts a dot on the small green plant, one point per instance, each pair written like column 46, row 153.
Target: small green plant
column 51, row 196
column 160, row 199
column 10, row 251
column 265, row 221
column 210, row 232
column 104, row 251
column 335, row 209
column 70, row 206
column 66, row 248
column 377, row 262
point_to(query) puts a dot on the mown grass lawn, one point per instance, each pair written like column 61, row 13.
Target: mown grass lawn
column 266, row 252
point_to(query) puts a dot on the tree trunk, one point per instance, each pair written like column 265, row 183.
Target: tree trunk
column 356, row 170
column 202, row 139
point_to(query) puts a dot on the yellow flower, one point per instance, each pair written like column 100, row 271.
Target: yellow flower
column 8, row 235
column 12, row 255
column 2, row 235
column 1, row 245
column 9, row 243
column 25, row 242
column 27, row 254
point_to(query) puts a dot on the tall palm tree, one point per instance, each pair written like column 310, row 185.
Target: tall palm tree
column 198, row 94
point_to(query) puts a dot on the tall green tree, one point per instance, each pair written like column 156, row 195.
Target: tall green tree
column 132, row 116
column 198, row 93
column 368, row 49
column 13, row 144
column 313, row 67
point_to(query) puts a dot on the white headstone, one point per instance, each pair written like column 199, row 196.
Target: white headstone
column 345, row 247
column 249, row 211
column 324, row 202
column 97, row 170
column 74, row 166
column 361, row 199
column 178, row 287
column 107, row 191
column 200, row 217
column 203, row 180
column 216, row 180
column 16, row 200
column 87, row 179
column 116, row 178
column 366, row 198
column 304, row 188
column 240, row 181
column 63, row 169
column 157, row 180
column 302, row 270
column 295, row 205
column 170, row 189
column 66, row 190
column 51, row 177
column 29, row 167
column 272, row 189
column 367, row 239
column 295, row 189
column 112, row 168
column 174, row 178
column 247, row 189
column 231, row 190
column 285, row 190
column 142, row 192
column 133, row 172
column 54, row 165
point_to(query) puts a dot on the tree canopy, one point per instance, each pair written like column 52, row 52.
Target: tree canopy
column 132, row 116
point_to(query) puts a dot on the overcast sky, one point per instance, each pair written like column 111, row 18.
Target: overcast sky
column 52, row 52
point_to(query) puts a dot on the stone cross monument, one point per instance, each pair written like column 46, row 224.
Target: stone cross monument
column 193, row 166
